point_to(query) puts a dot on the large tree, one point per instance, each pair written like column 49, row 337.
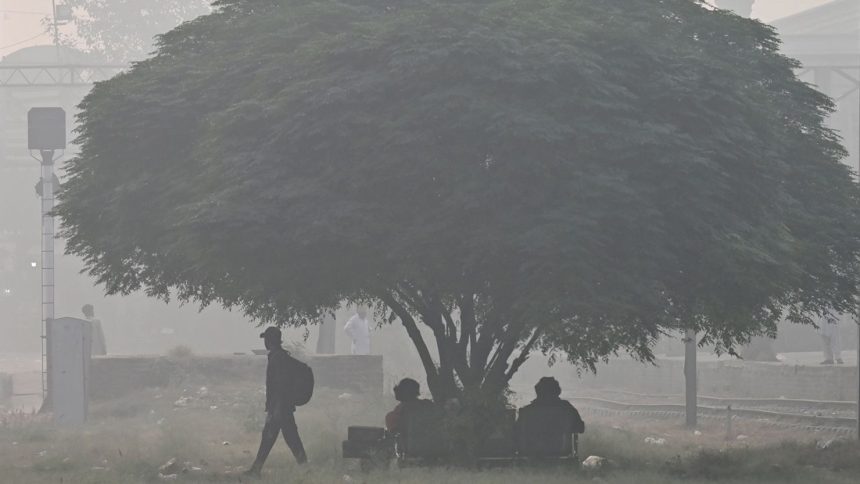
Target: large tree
column 571, row 176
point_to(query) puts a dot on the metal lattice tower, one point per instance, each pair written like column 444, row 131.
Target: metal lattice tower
column 47, row 256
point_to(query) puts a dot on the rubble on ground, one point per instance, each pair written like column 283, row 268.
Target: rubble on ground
column 594, row 462
column 170, row 467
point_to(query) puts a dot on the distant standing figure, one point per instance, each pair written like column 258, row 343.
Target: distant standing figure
column 831, row 340
column 280, row 410
column 99, row 347
column 358, row 329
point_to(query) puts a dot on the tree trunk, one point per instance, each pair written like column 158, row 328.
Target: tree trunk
column 474, row 361
column 690, row 378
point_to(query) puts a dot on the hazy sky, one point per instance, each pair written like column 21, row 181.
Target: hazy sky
column 20, row 20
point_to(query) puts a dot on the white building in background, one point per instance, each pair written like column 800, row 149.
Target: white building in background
column 826, row 40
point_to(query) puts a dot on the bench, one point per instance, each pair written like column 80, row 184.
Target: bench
column 373, row 446
column 536, row 436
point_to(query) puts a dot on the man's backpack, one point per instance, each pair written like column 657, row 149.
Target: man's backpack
column 301, row 381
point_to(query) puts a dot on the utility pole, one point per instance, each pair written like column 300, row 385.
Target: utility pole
column 47, row 255
column 690, row 393
column 56, row 30
column 46, row 133
column 327, row 335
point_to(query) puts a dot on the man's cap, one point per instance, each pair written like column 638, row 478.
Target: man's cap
column 271, row 332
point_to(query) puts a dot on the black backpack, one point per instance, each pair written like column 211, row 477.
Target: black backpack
column 301, row 381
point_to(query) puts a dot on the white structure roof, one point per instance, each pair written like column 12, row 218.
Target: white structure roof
column 839, row 17
column 828, row 35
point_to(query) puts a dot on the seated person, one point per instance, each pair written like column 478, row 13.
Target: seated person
column 406, row 392
column 548, row 393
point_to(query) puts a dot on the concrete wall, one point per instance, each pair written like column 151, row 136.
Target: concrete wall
column 730, row 379
column 114, row 376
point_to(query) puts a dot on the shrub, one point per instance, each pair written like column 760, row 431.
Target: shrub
column 180, row 351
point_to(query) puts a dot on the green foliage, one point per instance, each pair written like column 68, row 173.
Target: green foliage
column 568, row 175
column 781, row 461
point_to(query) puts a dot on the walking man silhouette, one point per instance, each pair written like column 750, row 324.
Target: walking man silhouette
column 280, row 406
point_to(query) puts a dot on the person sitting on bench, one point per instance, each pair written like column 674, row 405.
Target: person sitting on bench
column 545, row 426
column 406, row 392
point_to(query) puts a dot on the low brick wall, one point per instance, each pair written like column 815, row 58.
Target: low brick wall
column 115, row 376
column 354, row 374
column 730, row 379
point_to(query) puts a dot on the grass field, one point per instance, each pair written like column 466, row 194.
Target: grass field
column 213, row 432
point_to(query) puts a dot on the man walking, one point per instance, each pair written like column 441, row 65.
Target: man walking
column 280, row 405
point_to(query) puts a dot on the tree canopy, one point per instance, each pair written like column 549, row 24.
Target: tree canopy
column 565, row 175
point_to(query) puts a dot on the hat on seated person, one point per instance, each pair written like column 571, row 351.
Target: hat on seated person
column 407, row 389
column 272, row 332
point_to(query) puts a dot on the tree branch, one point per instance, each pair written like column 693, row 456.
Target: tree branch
column 523, row 356
column 421, row 307
column 495, row 374
column 415, row 335
column 467, row 318
column 449, row 322
column 433, row 316
column 486, row 338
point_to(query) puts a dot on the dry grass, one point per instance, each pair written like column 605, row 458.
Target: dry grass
column 128, row 439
